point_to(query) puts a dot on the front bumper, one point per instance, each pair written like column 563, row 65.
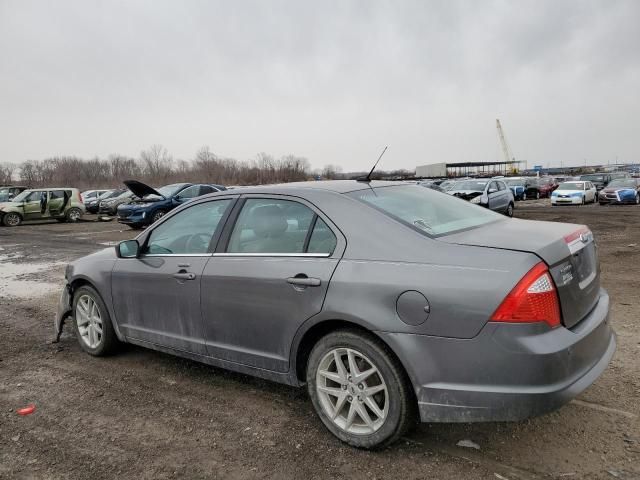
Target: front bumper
column 508, row 371
column 64, row 310
column 555, row 200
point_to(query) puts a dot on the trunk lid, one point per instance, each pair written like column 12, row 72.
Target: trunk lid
column 140, row 189
column 568, row 249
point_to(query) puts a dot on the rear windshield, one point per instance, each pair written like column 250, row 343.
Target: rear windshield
column 426, row 210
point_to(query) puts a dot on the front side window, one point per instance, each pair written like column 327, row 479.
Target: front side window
column 426, row 210
column 273, row 226
column 189, row 231
column 33, row 197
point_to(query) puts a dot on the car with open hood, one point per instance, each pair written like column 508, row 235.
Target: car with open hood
column 153, row 204
column 490, row 193
column 574, row 193
column 620, row 191
column 389, row 302
column 62, row 204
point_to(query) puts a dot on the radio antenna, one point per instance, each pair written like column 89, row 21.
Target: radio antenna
column 368, row 177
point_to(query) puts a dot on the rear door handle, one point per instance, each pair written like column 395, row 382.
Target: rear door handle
column 184, row 276
column 304, row 281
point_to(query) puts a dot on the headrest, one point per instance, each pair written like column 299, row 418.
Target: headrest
column 268, row 221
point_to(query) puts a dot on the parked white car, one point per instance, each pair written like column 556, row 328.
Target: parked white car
column 574, row 193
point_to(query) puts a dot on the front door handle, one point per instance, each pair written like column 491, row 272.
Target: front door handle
column 304, row 281
column 184, row 276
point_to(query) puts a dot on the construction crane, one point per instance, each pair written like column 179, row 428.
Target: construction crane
column 508, row 156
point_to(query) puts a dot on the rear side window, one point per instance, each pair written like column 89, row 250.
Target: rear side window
column 189, row 231
column 190, row 192
column 322, row 239
column 273, row 226
column 501, row 186
column 430, row 212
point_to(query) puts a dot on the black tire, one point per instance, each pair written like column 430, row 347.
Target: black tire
column 73, row 215
column 402, row 410
column 157, row 215
column 584, row 200
column 509, row 212
column 11, row 219
column 109, row 341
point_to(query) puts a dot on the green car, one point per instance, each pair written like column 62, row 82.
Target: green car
column 63, row 204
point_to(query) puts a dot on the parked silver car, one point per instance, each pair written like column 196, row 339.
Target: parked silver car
column 492, row 194
column 390, row 302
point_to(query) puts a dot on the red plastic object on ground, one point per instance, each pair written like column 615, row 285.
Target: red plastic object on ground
column 28, row 410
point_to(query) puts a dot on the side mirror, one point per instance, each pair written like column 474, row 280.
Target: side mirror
column 128, row 249
column 493, row 190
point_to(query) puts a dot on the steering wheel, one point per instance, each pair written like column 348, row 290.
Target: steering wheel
column 198, row 243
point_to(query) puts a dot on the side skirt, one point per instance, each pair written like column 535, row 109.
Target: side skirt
column 278, row 377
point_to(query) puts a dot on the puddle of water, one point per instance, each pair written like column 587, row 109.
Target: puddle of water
column 12, row 285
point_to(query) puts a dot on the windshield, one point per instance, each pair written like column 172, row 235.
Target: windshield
column 592, row 178
column 167, row 191
column 426, row 210
column 22, row 196
column 571, row 186
column 620, row 182
column 473, row 185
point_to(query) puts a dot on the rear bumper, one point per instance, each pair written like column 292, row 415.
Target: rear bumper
column 508, row 371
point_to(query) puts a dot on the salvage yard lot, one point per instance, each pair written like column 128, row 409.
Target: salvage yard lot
column 144, row 414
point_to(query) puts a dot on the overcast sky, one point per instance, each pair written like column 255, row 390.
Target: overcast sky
column 333, row 81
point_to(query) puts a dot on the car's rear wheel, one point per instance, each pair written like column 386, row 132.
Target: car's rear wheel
column 509, row 212
column 158, row 215
column 92, row 323
column 11, row 219
column 359, row 390
column 73, row 215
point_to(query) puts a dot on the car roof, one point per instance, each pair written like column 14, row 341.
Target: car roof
column 336, row 186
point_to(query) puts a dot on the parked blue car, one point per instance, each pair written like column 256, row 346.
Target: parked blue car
column 154, row 204
column 519, row 187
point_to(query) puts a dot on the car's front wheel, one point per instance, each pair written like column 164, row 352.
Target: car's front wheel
column 92, row 323
column 11, row 219
column 359, row 390
column 158, row 215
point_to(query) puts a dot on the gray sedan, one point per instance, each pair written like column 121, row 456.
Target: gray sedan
column 389, row 302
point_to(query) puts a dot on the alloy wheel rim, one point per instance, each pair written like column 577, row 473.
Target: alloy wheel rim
column 89, row 321
column 352, row 391
column 13, row 219
column 158, row 216
column 74, row 214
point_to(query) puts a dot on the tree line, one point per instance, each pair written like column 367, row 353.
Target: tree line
column 156, row 166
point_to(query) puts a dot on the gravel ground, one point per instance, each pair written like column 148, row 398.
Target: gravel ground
column 148, row 415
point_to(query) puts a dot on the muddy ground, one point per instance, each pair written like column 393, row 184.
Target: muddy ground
column 148, row 415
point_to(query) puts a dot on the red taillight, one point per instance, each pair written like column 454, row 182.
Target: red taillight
column 80, row 198
column 533, row 299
